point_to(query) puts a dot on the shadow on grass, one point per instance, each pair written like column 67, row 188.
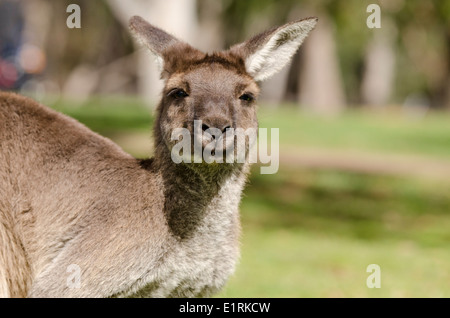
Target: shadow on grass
column 347, row 204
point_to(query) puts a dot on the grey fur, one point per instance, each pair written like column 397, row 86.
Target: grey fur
column 140, row 228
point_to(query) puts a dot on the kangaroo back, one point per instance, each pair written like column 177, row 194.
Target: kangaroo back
column 72, row 201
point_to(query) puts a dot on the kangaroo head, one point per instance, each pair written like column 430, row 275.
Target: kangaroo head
column 217, row 91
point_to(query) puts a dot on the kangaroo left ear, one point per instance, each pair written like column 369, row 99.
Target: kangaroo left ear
column 161, row 44
column 155, row 39
column 267, row 53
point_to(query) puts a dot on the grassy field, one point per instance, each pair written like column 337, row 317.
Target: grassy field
column 313, row 232
column 372, row 131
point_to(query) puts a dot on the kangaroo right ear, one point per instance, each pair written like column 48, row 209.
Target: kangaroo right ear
column 268, row 52
column 155, row 39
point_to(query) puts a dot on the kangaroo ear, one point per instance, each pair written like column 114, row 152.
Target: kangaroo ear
column 155, row 39
column 266, row 53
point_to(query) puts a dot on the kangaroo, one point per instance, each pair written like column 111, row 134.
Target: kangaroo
column 79, row 217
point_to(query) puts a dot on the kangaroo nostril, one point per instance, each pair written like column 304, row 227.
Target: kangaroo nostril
column 224, row 130
column 215, row 128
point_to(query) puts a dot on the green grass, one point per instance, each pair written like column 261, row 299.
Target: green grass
column 107, row 115
column 312, row 233
column 388, row 131
column 286, row 263
column 360, row 206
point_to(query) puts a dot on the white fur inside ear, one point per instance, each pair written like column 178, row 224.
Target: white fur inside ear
column 159, row 62
column 278, row 51
column 145, row 43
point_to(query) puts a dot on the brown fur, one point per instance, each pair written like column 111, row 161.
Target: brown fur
column 69, row 196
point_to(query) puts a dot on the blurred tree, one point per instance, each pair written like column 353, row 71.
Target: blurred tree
column 442, row 94
column 342, row 62
column 78, row 59
column 379, row 68
column 320, row 86
column 11, row 40
column 424, row 50
column 377, row 78
column 317, row 78
column 176, row 17
column 210, row 26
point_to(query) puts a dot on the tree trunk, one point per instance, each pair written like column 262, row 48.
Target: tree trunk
column 320, row 86
column 178, row 17
column 379, row 71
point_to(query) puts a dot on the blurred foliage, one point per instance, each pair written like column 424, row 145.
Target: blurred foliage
column 101, row 39
column 421, row 30
column 109, row 114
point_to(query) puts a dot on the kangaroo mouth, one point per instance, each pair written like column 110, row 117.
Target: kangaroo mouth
column 208, row 146
column 214, row 147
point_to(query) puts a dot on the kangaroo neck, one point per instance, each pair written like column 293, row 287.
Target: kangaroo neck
column 192, row 192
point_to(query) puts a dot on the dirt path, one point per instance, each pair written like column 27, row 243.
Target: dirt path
column 363, row 162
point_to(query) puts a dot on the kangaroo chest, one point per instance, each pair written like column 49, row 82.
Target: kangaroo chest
column 201, row 264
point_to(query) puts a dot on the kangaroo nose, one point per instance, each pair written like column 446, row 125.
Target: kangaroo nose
column 221, row 125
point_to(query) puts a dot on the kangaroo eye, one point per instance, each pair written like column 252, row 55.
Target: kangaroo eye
column 247, row 97
column 178, row 93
